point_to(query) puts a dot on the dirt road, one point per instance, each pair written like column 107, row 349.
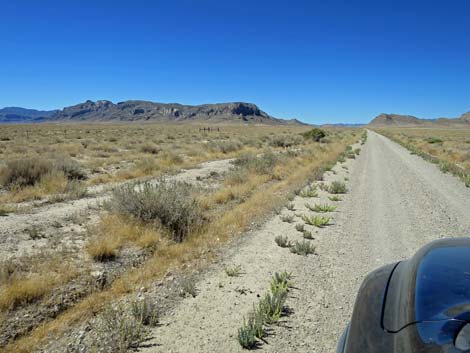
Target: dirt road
column 63, row 224
column 396, row 203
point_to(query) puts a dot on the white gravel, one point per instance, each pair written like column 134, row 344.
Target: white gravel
column 396, row 203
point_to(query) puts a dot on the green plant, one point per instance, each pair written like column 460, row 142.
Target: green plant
column 299, row 227
column 287, row 218
column 282, row 241
column 433, row 140
column 170, row 204
column 302, row 248
column 256, row 320
column 309, row 192
column 444, row 167
column 317, row 221
column 272, row 304
column 335, row 198
column 280, row 280
column 337, row 187
column 320, row 208
column 307, row 235
column 290, row 206
column 314, row 134
column 246, row 335
column 466, row 180
column 234, row 271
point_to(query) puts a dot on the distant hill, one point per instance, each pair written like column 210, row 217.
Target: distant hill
column 465, row 117
column 141, row 111
column 17, row 115
column 409, row 120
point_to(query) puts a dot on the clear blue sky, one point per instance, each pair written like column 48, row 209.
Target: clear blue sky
column 336, row 61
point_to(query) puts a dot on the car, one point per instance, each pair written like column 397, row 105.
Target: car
column 421, row 305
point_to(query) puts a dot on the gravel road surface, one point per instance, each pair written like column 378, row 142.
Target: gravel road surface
column 396, row 203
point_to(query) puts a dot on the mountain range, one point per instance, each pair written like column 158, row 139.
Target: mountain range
column 409, row 120
column 136, row 110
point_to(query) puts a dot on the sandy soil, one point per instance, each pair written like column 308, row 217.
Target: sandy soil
column 396, row 203
column 63, row 224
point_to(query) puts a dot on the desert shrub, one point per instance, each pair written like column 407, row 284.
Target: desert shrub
column 307, row 235
column 187, row 287
column 280, row 281
column 282, row 241
column 28, row 172
column 246, row 335
column 317, row 221
column 321, row 208
column 145, row 311
column 71, row 168
column 334, row 198
column 299, row 227
column 149, row 148
column 308, row 192
column 314, row 134
column 172, row 157
column 285, row 141
column 234, row 271
column 236, row 177
column 272, row 305
column 466, row 180
column 337, row 187
column 76, row 189
column 224, row 146
column 263, row 164
column 147, row 165
column 116, row 330
column 24, row 172
column 302, row 248
column 444, row 167
column 170, row 204
column 433, row 140
column 287, row 218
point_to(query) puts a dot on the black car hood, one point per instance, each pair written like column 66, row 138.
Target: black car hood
column 430, row 291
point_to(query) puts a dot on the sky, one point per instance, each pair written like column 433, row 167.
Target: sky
column 318, row 61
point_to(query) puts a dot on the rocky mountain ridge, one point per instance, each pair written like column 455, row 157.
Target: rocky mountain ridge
column 137, row 110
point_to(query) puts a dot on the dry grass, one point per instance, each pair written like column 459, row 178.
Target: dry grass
column 114, row 231
column 41, row 279
column 113, row 153
column 264, row 191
